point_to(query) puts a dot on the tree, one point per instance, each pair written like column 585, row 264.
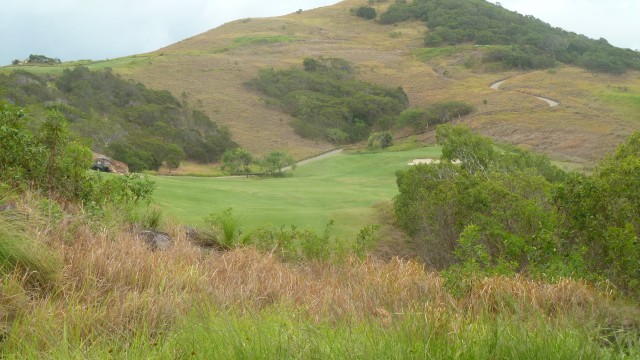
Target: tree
column 458, row 143
column 600, row 216
column 235, row 159
column 275, row 161
column 173, row 156
column 380, row 140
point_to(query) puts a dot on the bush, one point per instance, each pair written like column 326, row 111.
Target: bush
column 275, row 161
column 380, row 140
column 507, row 211
column 366, row 12
column 601, row 216
column 439, row 113
column 328, row 103
column 57, row 166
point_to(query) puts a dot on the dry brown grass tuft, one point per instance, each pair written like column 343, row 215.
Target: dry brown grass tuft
column 113, row 286
column 518, row 295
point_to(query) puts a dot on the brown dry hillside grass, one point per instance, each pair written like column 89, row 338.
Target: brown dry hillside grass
column 211, row 68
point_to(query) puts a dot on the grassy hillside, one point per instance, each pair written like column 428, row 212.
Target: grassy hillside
column 343, row 187
column 211, row 70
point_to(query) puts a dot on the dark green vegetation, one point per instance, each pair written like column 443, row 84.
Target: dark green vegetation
column 366, row 12
column 141, row 127
column 328, row 102
column 439, row 113
column 506, row 211
column 523, row 42
column 37, row 60
column 239, row 161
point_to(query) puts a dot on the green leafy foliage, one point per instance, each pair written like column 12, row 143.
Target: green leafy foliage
column 142, row 127
column 328, row 102
column 366, row 12
column 380, row 140
column 600, row 216
column 504, row 210
column 224, row 231
column 531, row 43
column 41, row 59
column 275, row 161
column 237, row 161
column 439, row 113
column 53, row 163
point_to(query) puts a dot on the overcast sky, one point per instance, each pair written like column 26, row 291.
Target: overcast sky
column 101, row 29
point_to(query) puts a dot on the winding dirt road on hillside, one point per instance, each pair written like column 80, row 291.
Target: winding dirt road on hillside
column 552, row 103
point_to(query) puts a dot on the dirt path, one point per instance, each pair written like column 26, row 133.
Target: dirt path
column 314, row 158
column 552, row 103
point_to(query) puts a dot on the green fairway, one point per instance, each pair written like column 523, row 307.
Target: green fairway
column 342, row 187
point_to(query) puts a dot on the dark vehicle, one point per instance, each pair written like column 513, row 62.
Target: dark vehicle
column 102, row 164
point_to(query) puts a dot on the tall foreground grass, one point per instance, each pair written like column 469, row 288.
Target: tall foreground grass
column 114, row 298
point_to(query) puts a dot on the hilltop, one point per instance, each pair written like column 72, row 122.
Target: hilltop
column 211, row 70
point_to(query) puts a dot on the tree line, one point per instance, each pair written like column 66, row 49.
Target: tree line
column 142, row 127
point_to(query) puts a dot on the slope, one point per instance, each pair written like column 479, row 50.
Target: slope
column 210, row 70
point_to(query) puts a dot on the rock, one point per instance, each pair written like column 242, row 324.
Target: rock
column 106, row 164
column 156, row 240
column 191, row 233
column 10, row 206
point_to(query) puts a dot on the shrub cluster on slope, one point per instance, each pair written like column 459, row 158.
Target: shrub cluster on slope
column 531, row 42
column 328, row 102
column 139, row 126
column 510, row 211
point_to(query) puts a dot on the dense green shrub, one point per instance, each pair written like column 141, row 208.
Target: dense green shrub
column 366, row 12
column 600, row 216
column 273, row 162
column 237, row 161
column 328, row 102
column 51, row 162
column 380, row 140
column 503, row 210
column 439, row 113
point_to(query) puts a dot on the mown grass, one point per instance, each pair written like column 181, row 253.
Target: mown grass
column 342, row 187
